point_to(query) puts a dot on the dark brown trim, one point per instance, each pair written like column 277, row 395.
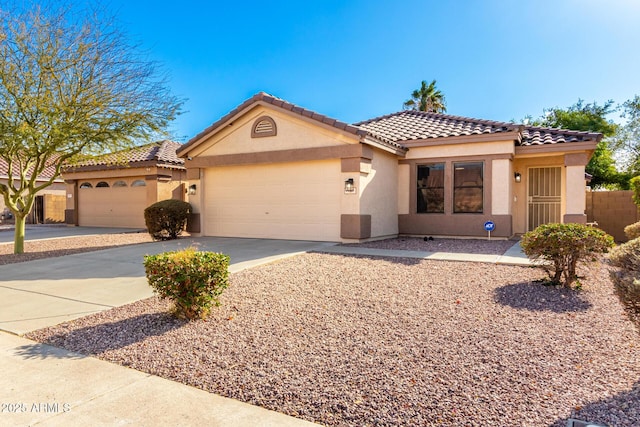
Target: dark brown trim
column 576, row 159
column 70, row 216
column 281, row 156
column 272, row 132
column 193, row 223
column 355, row 164
column 193, row 174
column 576, row 218
column 354, row 226
column 459, row 158
column 471, row 225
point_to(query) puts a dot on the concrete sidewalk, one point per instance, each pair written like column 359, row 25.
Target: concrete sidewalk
column 514, row 256
column 47, row 386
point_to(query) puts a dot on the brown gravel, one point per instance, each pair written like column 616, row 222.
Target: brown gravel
column 50, row 248
column 475, row 246
column 361, row 341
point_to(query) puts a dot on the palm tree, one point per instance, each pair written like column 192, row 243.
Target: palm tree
column 427, row 98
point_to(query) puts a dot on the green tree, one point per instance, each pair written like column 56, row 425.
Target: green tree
column 590, row 118
column 427, row 98
column 70, row 85
column 628, row 141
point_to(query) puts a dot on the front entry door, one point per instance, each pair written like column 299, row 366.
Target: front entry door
column 545, row 185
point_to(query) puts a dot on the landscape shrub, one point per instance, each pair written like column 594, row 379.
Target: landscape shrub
column 627, row 256
column 628, row 289
column 632, row 231
column 166, row 219
column 634, row 183
column 192, row 280
column 562, row 246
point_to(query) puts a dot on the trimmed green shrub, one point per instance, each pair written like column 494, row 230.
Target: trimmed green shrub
column 632, row 231
column 166, row 219
column 562, row 246
column 192, row 280
column 628, row 289
column 627, row 256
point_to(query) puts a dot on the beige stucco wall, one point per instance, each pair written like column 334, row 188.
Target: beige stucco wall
column 292, row 133
column 379, row 194
column 461, row 150
column 501, row 183
column 404, row 188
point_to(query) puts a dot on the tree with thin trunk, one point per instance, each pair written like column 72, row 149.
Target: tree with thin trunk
column 71, row 85
column 427, row 98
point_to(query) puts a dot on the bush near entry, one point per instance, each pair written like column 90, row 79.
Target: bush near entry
column 627, row 283
column 192, row 280
column 166, row 219
column 562, row 246
column 632, row 231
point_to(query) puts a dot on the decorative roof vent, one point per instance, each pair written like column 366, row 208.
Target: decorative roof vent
column 263, row 126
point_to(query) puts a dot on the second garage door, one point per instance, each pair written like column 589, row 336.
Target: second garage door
column 112, row 206
column 299, row 201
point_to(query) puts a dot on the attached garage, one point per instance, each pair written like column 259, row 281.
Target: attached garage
column 295, row 201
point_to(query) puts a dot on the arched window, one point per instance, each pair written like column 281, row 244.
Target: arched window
column 119, row 184
column 86, row 185
column 102, row 184
column 138, row 183
column 263, row 126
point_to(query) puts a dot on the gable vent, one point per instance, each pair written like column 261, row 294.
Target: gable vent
column 263, row 126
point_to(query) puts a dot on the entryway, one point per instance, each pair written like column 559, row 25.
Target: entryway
column 544, row 196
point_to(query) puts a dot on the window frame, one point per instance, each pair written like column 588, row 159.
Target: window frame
column 442, row 166
column 456, row 167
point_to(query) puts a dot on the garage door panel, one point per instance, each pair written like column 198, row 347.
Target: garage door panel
column 286, row 201
column 112, row 207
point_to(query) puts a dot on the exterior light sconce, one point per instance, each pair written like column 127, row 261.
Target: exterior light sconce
column 349, row 187
column 517, row 177
column 191, row 190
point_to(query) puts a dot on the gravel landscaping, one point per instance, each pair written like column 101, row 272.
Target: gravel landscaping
column 468, row 246
column 363, row 341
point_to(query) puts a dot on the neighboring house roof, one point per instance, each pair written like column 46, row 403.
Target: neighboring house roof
column 412, row 125
column 281, row 103
column 160, row 153
column 46, row 174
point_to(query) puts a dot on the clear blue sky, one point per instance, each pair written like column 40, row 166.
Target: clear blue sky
column 354, row 60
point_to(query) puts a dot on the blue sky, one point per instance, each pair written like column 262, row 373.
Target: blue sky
column 354, row 60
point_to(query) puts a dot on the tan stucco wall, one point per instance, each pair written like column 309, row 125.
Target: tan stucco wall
column 404, row 189
column 56, row 189
column 379, row 194
column 461, row 150
column 292, row 133
column 501, row 183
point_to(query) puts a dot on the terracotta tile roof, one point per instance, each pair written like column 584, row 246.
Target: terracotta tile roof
column 46, row 174
column 160, row 152
column 281, row 103
column 407, row 126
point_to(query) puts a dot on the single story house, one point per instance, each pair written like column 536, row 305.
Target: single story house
column 113, row 190
column 49, row 204
column 271, row 169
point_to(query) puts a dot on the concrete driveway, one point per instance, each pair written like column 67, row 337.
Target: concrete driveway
column 46, row 292
column 37, row 232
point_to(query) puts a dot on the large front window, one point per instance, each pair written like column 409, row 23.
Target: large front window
column 431, row 188
column 467, row 187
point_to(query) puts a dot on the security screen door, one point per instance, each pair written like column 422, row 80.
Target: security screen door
column 545, row 185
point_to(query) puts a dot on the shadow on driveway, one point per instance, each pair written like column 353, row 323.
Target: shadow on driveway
column 537, row 297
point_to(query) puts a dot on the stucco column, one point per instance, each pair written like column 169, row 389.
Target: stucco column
column 575, row 188
column 71, row 208
column 501, row 182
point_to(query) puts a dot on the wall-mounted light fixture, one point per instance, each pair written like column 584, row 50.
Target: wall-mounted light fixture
column 191, row 190
column 517, row 177
column 349, row 187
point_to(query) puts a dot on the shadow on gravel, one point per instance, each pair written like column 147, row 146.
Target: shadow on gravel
column 537, row 297
column 97, row 339
column 622, row 409
column 395, row 260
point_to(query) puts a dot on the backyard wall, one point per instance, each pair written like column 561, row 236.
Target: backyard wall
column 613, row 211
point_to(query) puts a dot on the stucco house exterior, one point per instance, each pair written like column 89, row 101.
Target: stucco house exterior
column 49, row 203
column 271, row 169
column 113, row 190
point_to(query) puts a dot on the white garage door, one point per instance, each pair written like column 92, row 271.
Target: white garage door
column 112, row 206
column 298, row 201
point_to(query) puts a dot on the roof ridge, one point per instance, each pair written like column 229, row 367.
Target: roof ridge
column 438, row 115
column 561, row 130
